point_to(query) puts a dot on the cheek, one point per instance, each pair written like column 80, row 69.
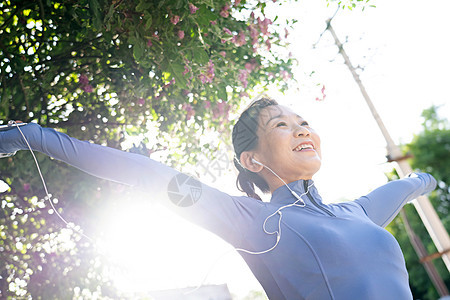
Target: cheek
column 317, row 141
column 275, row 144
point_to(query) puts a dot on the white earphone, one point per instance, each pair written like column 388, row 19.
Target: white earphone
column 278, row 211
column 257, row 162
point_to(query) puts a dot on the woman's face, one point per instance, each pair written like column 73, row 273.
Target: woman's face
column 287, row 145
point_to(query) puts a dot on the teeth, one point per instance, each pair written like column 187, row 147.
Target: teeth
column 303, row 146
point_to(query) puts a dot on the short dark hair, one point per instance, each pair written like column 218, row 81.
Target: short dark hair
column 245, row 138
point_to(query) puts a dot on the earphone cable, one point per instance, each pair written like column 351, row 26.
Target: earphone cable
column 48, row 195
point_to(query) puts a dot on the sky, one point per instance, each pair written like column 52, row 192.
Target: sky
column 402, row 48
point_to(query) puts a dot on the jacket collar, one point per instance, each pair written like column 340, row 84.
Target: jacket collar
column 283, row 194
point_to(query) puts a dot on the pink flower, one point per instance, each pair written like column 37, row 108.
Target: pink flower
column 26, row 187
column 141, row 101
column 210, row 73
column 250, row 67
column 224, row 12
column 244, row 94
column 190, row 112
column 186, row 69
column 223, row 53
column 213, row 22
column 253, row 33
column 202, row 78
column 243, row 76
column 208, row 77
column 221, row 107
column 227, row 31
column 323, row 94
column 237, row 2
column 83, row 79
column 84, row 84
column 264, row 25
column 285, row 75
column 240, row 40
column 175, row 20
column 192, row 8
column 149, row 43
column 207, row 104
column 210, row 68
column 268, row 44
column 221, row 111
column 180, row 34
column 87, row 88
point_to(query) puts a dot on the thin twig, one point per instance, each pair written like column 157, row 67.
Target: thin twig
column 328, row 25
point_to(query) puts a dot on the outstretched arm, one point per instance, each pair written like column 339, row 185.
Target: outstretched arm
column 204, row 205
column 104, row 162
column 383, row 204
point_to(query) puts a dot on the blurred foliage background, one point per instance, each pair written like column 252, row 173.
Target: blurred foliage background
column 430, row 150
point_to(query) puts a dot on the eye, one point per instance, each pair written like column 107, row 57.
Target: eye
column 281, row 124
column 304, row 123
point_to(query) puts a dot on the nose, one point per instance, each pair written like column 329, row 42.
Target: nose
column 301, row 131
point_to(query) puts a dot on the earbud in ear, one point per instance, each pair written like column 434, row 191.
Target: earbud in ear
column 257, row 162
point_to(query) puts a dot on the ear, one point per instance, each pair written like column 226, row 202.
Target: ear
column 246, row 161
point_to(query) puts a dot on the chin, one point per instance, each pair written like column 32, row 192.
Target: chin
column 310, row 171
column 315, row 167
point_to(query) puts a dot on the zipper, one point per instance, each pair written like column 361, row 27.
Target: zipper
column 305, row 185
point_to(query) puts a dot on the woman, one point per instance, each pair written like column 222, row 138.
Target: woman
column 296, row 246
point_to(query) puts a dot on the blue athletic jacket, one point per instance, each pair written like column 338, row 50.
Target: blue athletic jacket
column 326, row 251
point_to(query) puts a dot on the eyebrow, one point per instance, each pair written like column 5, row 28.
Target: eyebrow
column 281, row 116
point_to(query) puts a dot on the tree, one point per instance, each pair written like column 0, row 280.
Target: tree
column 101, row 65
column 430, row 150
column 163, row 71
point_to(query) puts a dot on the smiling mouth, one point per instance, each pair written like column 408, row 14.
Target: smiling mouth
column 302, row 147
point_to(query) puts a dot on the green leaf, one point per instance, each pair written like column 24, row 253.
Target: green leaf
column 138, row 51
column 176, row 70
column 94, row 7
column 201, row 56
column 205, row 16
column 222, row 93
column 143, row 5
column 149, row 20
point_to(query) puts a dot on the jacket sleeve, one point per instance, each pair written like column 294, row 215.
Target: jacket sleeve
column 206, row 206
column 384, row 203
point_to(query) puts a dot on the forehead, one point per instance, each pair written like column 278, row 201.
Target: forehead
column 274, row 111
